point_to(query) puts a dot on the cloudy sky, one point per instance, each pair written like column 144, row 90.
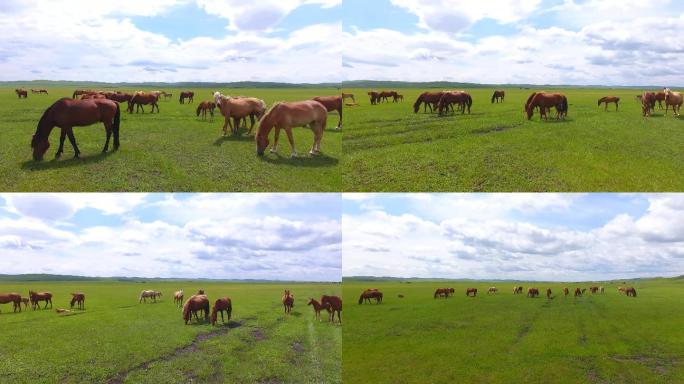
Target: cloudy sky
column 608, row 42
column 561, row 237
column 171, row 40
column 225, row 236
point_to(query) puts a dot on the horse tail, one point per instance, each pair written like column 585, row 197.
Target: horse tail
column 565, row 105
column 470, row 102
column 117, row 119
column 229, row 308
column 493, row 97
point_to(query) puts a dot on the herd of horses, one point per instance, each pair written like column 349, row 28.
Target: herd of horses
column 35, row 298
column 22, row 93
column 649, row 99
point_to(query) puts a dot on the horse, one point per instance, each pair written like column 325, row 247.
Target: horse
column 288, row 115
column 41, row 91
column 80, row 92
column 332, row 103
column 367, row 295
column 631, row 292
column 622, row 289
column 25, row 301
column 566, row 291
column 441, row 292
column 373, row 97
column 119, row 96
column 532, row 292
column 647, row 103
column 195, row 304
column 593, row 289
column 601, row 289
column 37, row 297
column 78, row 298
column 186, row 95
column 659, row 98
column 544, row 101
column 463, row 99
column 221, row 305
column 178, row 298
column 141, row 98
column 205, row 106
column 548, row 293
column 584, row 290
column 21, row 93
column 93, row 96
column 675, row 99
column 609, row 99
column 471, row 290
column 429, row 99
column 400, row 296
column 492, row 290
column 578, row 292
column 318, row 307
column 517, row 290
column 148, row 293
column 498, row 95
column 384, row 95
column 288, row 301
column 13, row 298
column 399, row 97
column 335, row 304
column 348, row 96
column 238, row 108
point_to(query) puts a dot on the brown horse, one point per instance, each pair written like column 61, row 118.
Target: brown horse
column 13, row 298
column 548, row 293
column 631, row 292
column 578, row 292
column 37, row 297
column 287, row 116
column 80, row 92
column 498, row 96
column 593, row 289
column 148, row 293
column 143, row 98
column 78, row 298
column 67, row 113
column 348, row 96
column 21, row 93
column 318, row 307
column 368, row 295
column 119, row 96
column 429, row 99
column 674, row 99
column 221, row 305
column 373, row 97
column 178, row 298
column 492, row 290
column 566, row 291
column 647, row 103
column 463, row 99
column 93, row 96
column 609, row 99
column 238, row 108
column 335, row 304
column 471, row 290
column 288, row 301
column 195, row 304
column 622, row 289
column 385, row 95
column 204, row 107
column 400, row 97
column 25, row 301
column 532, row 292
column 517, row 290
column 659, row 98
column 442, row 292
column 332, row 103
column 544, row 101
column 186, row 95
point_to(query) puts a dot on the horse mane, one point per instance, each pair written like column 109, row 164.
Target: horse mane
column 186, row 309
column 529, row 100
column 419, row 100
column 267, row 114
column 44, row 120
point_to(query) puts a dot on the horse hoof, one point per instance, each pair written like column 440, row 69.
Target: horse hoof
column 58, row 155
column 293, row 156
column 272, row 150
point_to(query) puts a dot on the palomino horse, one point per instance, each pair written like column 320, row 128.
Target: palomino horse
column 287, row 116
column 429, row 99
column 348, row 96
column 335, row 304
column 318, row 307
column 548, row 293
column 498, row 96
column 517, row 290
column 238, row 108
column 532, row 292
column 37, row 297
column 204, row 107
column 186, row 95
column 463, row 99
column 221, row 305
column 578, row 292
column 492, row 290
column 647, row 103
column 609, row 99
column 21, row 93
column 78, row 298
column 141, row 98
column 195, row 304
column 622, row 289
column 288, row 301
column 332, row 103
column 631, row 292
column 67, row 113
column 368, row 295
column 178, row 298
column 544, row 101
column 566, row 291
column 148, row 293
column 13, row 298
column 471, row 290
column 674, row 99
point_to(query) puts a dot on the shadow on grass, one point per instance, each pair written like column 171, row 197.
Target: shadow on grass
column 218, row 142
column 59, row 163
column 300, row 161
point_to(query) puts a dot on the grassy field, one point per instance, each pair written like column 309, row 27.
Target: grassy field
column 508, row 338
column 171, row 151
column 389, row 148
column 117, row 340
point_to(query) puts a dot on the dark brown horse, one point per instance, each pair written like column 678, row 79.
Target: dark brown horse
column 286, row 116
column 498, row 96
column 93, row 96
column 186, row 95
column 25, row 301
column 659, row 98
column 37, row 297
column 593, row 289
column 318, row 307
column 21, row 93
column 544, row 101
column 67, row 113
column 119, row 96
column 631, row 292
column 13, row 298
column 429, row 99
column 648, row 100
column 204, row 107
column 143, row 98
column 373, row 95
column 471, row 290
column 566, row 291
column 288, row 301
column 532, row 292
column 221, row 305
column 578, row 292
column 462, row 99
column 609, row 99
column 78, row 298
column 335, row 303
column 548, row 293
column 195, row 304
column 332, row 103
column 368, row 295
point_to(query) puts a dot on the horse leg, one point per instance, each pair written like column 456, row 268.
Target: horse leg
column 236, row 125
column 72, row 140
column 62, row 136
column 226, row 123
column 108, row 130
column 276, row 134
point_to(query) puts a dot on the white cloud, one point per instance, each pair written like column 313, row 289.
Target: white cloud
column 59, row 206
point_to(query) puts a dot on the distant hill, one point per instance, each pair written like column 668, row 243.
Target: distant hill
column 49, row 277
column 456, row 85
column 428, row 279
column 96, row 84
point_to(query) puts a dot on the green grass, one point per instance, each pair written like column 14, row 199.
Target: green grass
column 389, row 148
column 508, row 338
column 117, row 338
column 171, row 151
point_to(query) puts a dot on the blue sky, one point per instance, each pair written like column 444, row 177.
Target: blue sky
column 563, row 237
column 223, row 236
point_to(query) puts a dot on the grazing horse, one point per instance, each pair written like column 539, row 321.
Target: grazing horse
column 532, row 292
column 647, row 103
column 205, row 106
column 384, row 95
column 471, row 290
column 631, row 292
column 517, row 290
column 609, row 99
column 142, row 98
column 288, row 301
column 548, row 293
column 674, row 99
column 78, row 298
column 367, row 295
column 148, row 293
column 593, row 289
column 348, row 96
column 186, row 95
column 238, row 108
column 37, row 297
column 178, row 298
column 373, row 95
column 41, row 91
column 119, row 96
column 93, row 96
column 21, row 93
column 335, row 306
column 13, row 298
column 400, row 97
column 463, row 99
column 287, row 116
column 498, row 95
column 195, row 304
column 318, row 307
column 429, row 99
column 584, row 290
column 566, row 291
column 492, row 290
column 332, row 103
column 622, row 289
column 659, row 98
column 25, row 300
column 67, row 113
column 578, row 292
column 221, row 305
column 441, row 292
column 544, row 101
